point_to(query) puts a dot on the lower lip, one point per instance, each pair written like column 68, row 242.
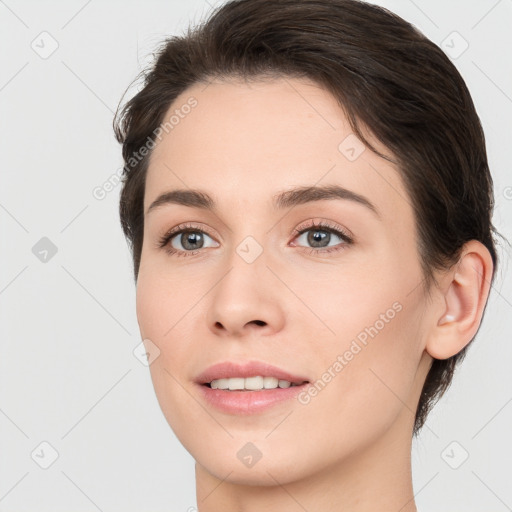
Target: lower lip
column 248, row 402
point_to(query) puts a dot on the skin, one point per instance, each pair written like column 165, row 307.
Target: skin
column 349, row 448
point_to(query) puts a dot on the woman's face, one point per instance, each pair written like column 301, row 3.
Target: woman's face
column 340, row 306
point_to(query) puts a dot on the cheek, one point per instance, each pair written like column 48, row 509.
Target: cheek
column 159, row 313
column 162, row 300
column 162, row 314
column 165, row 313
column 366, row 362
column 377, row 381
column 360, row 394
column 342, row 302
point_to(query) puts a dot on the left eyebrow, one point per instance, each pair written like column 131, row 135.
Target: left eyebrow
column 300, row 195
column 303, row 195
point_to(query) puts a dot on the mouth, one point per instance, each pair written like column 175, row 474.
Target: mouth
column 250, row 388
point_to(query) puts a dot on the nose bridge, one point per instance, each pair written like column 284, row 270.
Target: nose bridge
column 247, row 270
column 249, row 238
column 246, row 292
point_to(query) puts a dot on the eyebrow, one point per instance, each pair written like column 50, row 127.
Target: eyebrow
column 297, row 196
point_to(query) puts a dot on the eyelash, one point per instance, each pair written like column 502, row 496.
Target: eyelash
column 321, row 226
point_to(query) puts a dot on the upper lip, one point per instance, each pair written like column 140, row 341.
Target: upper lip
column 230, row 369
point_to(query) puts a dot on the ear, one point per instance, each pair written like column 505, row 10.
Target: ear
column 465, row 289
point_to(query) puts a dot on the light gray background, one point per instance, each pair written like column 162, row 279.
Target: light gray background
column 68, row 376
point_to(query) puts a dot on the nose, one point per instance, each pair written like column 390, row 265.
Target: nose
column 246, row 300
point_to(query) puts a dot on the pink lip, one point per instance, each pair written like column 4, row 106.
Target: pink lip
column 230, row 369
column 247, row 402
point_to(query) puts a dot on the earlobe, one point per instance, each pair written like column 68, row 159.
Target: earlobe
column 466, row 289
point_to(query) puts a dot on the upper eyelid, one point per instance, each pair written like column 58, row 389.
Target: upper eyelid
column 298, row 231
column 325, row 226
column 183, row 227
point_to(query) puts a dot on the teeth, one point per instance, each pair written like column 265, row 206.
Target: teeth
column 250, row 383
column 270, row 382
column 254, row 382
column 234, row 384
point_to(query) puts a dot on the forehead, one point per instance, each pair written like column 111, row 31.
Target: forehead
column 244, row 142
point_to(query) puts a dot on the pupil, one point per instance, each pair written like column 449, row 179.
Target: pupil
column 317, row 236
column 189, row 240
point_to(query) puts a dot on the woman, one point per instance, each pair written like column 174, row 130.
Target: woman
column 308, row 202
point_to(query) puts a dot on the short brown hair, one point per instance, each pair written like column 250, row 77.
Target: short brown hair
column 386, row 76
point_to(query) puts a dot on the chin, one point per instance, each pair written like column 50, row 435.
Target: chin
column 262, row 474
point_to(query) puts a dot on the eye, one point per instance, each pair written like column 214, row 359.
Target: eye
column 320, row 235
column 188, row 239
column 185, row 239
